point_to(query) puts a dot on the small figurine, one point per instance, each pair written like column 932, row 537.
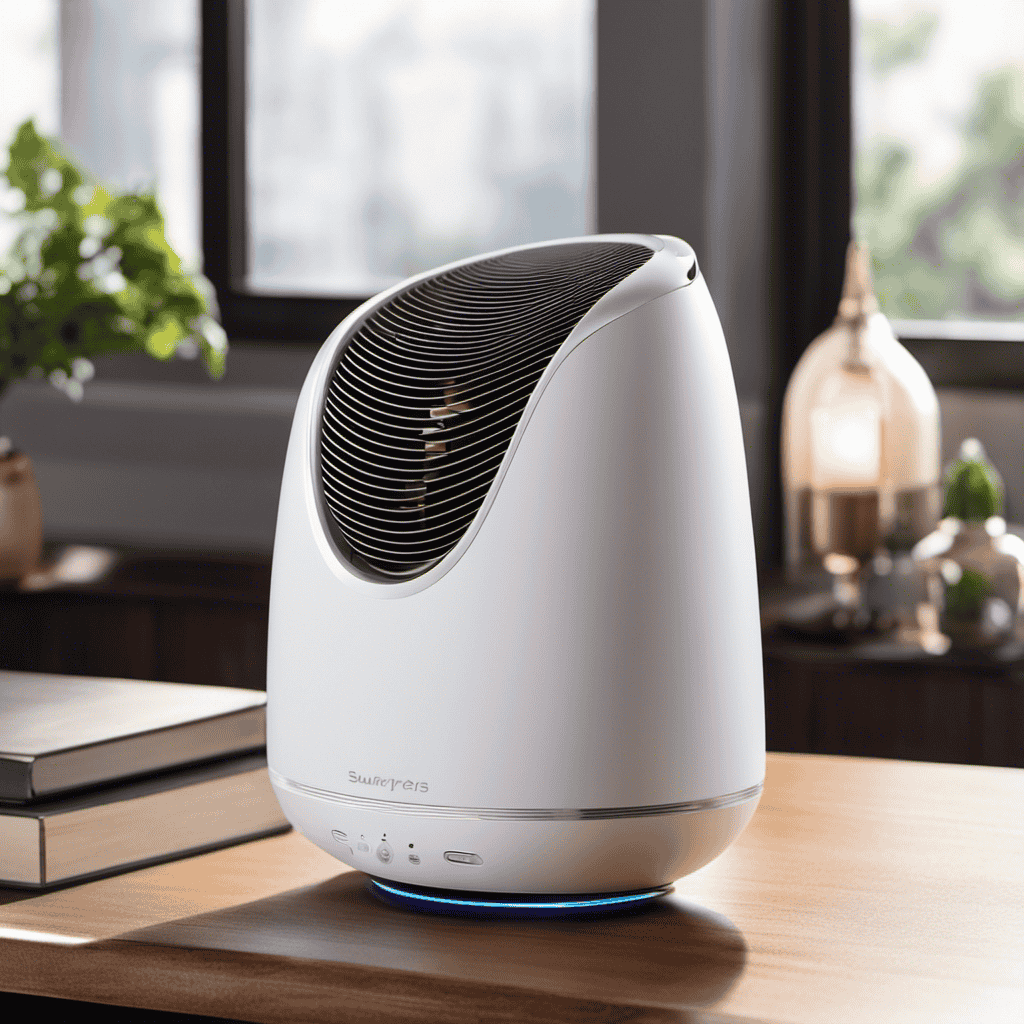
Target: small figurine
column 973, row 568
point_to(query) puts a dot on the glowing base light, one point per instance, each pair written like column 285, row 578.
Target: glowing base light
column 497, row 904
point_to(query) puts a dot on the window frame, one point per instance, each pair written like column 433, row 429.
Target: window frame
column 815, row 152
column 244, row 315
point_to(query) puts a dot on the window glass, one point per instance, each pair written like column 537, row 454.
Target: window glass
column 29, row 84
column 118, row 80
column 389, row 137
column 939, row 155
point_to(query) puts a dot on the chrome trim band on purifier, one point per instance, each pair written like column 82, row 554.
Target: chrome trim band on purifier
column 517, row 813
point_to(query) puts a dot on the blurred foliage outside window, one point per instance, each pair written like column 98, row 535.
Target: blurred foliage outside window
column 939, row 156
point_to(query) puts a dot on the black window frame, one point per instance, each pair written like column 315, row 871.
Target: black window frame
column 658, row 54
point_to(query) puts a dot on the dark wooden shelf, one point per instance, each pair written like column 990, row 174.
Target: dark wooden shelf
column 887, row 697
column 140, row 614
column 138, row 572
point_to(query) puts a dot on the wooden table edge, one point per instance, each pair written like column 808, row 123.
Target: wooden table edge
column 276, row 989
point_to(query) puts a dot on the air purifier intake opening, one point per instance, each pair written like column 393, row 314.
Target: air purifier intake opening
column 428, row 391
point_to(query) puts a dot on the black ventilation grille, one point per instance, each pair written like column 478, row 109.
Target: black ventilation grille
column 428, row 393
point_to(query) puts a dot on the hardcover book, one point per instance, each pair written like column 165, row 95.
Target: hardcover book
column 110, row 829
column 63, row 733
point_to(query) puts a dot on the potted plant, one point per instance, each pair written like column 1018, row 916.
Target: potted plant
column 89, row 272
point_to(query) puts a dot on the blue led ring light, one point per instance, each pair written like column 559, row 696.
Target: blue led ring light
column 450, row 902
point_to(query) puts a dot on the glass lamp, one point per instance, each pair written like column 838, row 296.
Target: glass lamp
column 860, row 444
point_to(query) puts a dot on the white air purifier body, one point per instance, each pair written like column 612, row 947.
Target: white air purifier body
column 514, row 631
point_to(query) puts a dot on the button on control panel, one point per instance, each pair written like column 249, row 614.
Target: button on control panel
column 384, row 853
column 363, row 847
column 457, row 857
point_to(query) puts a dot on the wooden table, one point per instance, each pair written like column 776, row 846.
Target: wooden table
column 862, row 891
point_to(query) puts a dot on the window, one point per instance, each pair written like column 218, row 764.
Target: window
column 385, row 139
column 317, row 191
column 346, row 145
column 120, row 83
column 938, row 116
column 816, row 147
column 30, row 81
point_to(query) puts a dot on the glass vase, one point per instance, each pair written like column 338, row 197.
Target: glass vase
column 859, row 445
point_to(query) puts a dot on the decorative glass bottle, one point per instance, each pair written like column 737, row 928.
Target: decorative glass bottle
column 860, row 444
column 973, row 568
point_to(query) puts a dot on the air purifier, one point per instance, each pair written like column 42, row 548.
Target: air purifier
column 514, row 635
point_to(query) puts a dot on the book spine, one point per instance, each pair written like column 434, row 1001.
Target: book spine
column 16, row 777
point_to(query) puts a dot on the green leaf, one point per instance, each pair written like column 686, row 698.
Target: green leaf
column 162, row 342
column 77, row 242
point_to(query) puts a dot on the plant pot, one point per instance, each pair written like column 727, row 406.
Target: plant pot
column 21, row 516
column 974, row 574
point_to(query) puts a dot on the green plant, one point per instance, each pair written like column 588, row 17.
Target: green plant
column 974, row 489
column 91, row 272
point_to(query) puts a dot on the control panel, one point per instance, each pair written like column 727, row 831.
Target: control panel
column 369, row 848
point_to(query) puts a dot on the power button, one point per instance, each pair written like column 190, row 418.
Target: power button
column 458, row 857
column 384, row 853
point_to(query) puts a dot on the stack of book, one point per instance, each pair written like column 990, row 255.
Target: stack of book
column 101, row 775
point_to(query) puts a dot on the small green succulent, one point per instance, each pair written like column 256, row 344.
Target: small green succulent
column 91, row 272
column 974, row 489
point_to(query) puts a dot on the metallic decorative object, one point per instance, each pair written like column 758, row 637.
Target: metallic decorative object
column 21, row 514
column 860, row 448
column 973, row 568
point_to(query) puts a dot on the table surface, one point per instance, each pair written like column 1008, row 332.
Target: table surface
column 863, row 890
